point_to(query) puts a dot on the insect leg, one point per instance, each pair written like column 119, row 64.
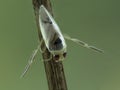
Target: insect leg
column 46, row 60
column 83, row 44
column 30, row 61
column 42, row 46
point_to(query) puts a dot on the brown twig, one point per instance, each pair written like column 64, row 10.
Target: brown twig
column 54, row 70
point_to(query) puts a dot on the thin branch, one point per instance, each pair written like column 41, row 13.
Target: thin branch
column 54, row 70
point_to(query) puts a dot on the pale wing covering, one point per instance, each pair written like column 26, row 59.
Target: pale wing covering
column 50, row 31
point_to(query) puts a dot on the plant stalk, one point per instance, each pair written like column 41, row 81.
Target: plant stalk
column 54, row 70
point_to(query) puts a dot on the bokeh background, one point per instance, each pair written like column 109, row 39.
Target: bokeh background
column 96, row 22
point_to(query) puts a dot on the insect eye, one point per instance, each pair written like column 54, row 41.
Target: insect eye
column 64, row 54
column 56, row 57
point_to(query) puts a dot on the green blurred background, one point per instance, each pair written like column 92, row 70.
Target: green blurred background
column 96, row 22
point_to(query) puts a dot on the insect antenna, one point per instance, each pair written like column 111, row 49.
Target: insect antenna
column 30, row 61
column 83, row 43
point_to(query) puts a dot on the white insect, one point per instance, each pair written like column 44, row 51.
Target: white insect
column 54, row 39
column 52, row 35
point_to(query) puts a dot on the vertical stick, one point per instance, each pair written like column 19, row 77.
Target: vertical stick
column 54, row 70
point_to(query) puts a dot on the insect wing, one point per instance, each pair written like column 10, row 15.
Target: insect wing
column 50, row 31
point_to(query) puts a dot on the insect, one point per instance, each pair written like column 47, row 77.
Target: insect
column 52, row 36
column 54, row 39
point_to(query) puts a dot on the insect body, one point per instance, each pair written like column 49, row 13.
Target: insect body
column 52, row 35
column 54, row 39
